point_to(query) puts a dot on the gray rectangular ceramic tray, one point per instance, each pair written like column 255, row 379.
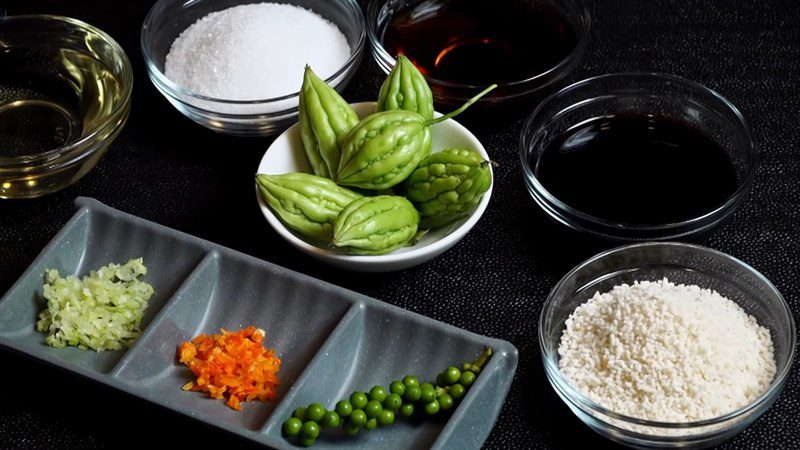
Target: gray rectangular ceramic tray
column 332, row 341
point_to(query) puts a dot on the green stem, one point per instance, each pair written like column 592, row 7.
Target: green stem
column 483, row 358
column 452, row 114
column 477, row 365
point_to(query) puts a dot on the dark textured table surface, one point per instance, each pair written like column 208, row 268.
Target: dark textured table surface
column 169, row 170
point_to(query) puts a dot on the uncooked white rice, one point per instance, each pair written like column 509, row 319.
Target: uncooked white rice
column 666, row 352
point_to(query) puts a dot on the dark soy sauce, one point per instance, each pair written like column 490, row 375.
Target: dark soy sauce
column 637, row 169
column 480, row 41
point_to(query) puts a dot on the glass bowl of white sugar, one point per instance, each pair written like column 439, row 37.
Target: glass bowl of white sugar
column 236, row 66
column 666, row 345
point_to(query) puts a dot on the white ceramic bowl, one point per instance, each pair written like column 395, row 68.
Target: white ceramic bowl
column 286, row 155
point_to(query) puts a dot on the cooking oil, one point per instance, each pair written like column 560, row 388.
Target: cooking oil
column 52, row 97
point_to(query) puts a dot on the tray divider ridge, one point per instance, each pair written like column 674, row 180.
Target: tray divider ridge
column 211, row 258
column 355, row 313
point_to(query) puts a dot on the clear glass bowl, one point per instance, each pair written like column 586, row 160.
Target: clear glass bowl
column 168, row 18
column 65, row 94
column 520, row 93
column 680, row 263
column 639, row 93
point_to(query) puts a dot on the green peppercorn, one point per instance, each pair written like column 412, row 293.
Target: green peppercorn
column 385, row 418
column 381, row 406
column 467, row 378
column 397, row 387
column 378, row 393
column 300, row 413
column 413, row 393
column 428, row 393
column 451, row 375
column 410, row 380
column 292, row 427
column 358, row 417
column 432, row 408
column 392, row 402
column 314, row 412
column 456, row 391
column 350, row 428
column 407, row 409
column 344, row 408
column 373, row 408
column 358, row 399
column 445, row 402
column 330, row 420
column 310, row 430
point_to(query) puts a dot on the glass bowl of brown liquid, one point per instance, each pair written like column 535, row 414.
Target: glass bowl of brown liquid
column 638, row 156
column 461, row 47
column 65, row 94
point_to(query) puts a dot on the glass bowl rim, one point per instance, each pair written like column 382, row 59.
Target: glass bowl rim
column 173, row 89
column 67, row 154
column 587, row 405
column 580, row 46
column 735, row 197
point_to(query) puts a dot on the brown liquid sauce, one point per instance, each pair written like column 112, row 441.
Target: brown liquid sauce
column 480, row 42
column 637, row 169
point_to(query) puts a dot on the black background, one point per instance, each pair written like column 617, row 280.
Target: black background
column 169, row 170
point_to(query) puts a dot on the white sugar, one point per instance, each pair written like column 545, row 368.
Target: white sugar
column 254, row 52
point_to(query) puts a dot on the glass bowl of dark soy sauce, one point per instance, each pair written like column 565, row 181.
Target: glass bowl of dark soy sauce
column 462, row 46
column 638, row 156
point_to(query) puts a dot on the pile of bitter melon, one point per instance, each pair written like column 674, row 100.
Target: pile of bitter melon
column 393, row 181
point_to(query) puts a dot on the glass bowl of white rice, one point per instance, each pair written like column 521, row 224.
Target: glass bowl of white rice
column 236, row 66
column 663, row 345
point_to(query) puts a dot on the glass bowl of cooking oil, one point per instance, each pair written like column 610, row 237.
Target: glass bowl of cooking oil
column 65, row 94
